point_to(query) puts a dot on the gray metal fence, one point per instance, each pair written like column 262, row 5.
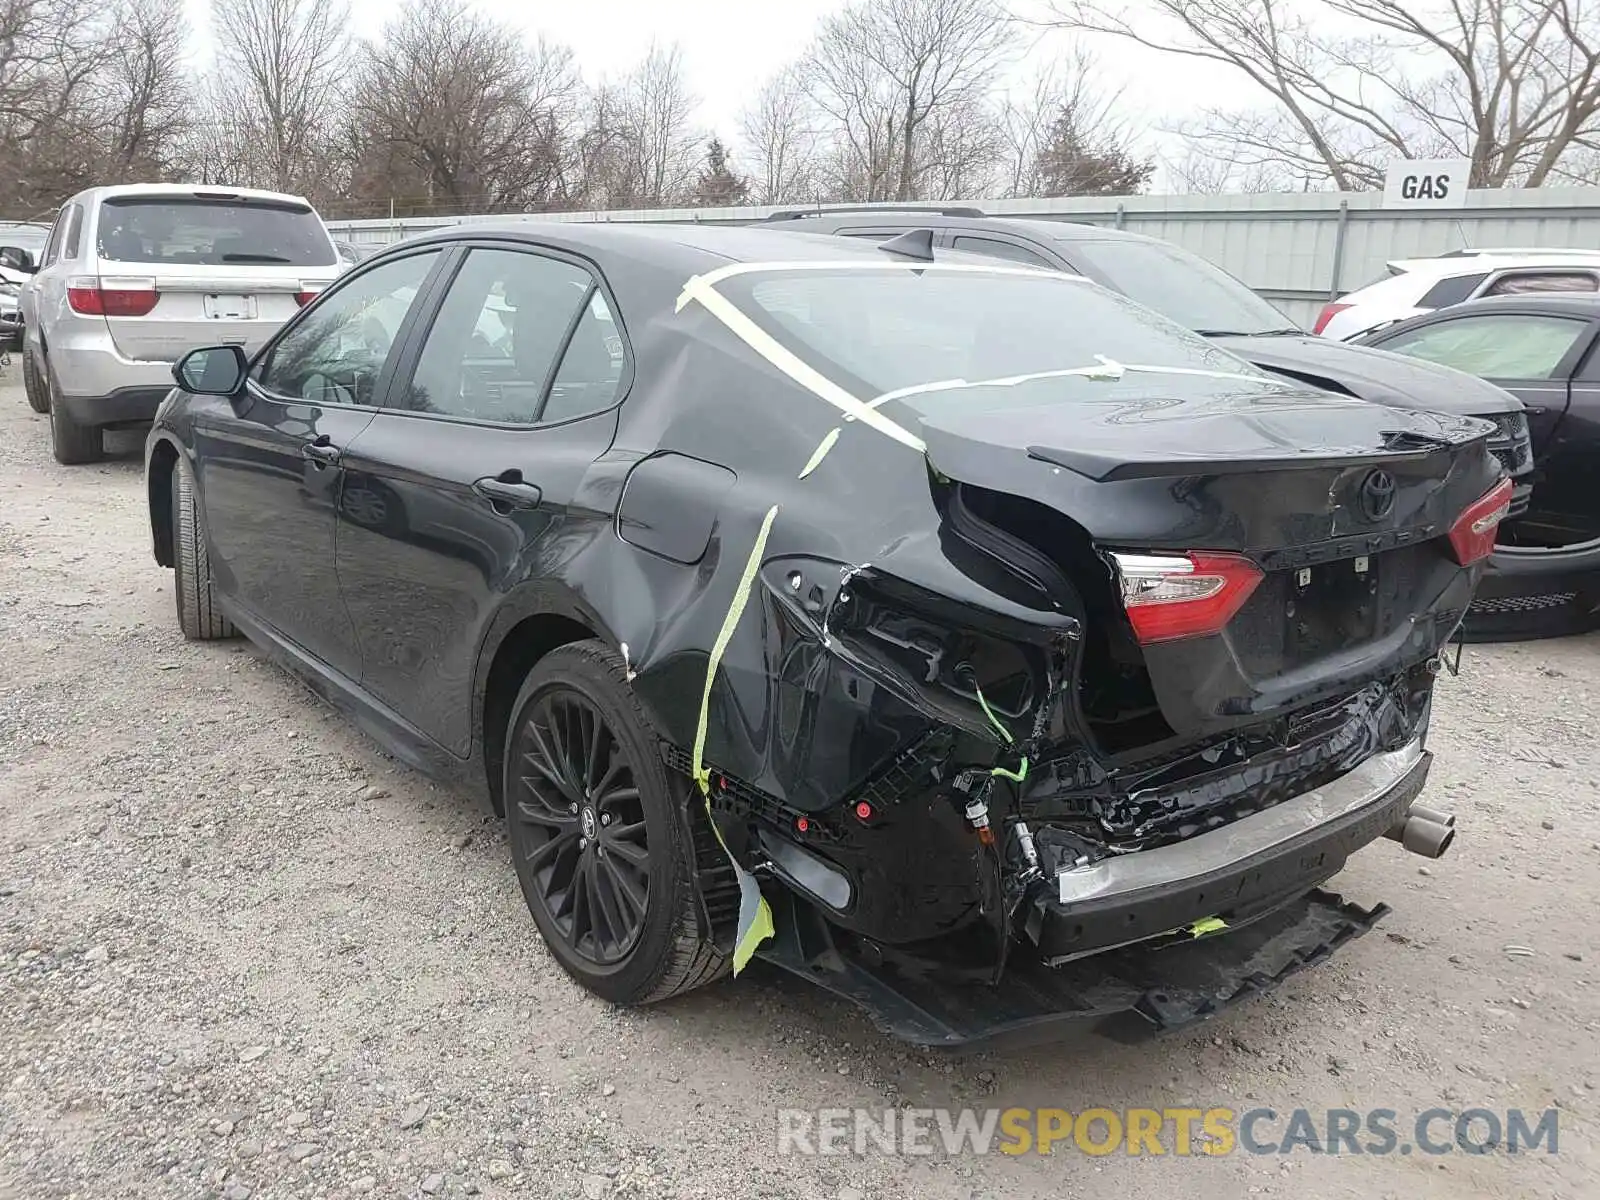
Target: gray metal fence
column 1299, row 250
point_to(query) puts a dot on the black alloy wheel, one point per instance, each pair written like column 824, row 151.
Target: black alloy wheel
column 581, row 821
column 610, row 846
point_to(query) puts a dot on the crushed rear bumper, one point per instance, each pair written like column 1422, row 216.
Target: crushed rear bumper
column 1128, row 994
column 1110, row 942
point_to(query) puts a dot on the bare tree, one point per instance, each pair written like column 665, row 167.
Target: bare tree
column 662, row 148
column 1069, row 100
column 281, row 72
column 481, row 120
column 148, row 101
column 887, row 73
column 1512, row 85
column 783, row 142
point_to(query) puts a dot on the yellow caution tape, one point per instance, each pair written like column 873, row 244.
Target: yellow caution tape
column 820, row 453
column 755, row 917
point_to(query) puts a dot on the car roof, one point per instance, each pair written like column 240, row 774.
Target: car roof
column 189, row 191
column 1038, row 227
column 1478, row 264
column 688, row 247
column 1584, row 304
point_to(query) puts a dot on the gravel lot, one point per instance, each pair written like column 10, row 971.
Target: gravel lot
column 244, row 954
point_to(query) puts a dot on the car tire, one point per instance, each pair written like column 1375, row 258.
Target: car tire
column 583, row 855
column 73, row 444
column 38, row 394
column 199, row 616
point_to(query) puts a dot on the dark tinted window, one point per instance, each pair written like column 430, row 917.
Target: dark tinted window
column 875, row 333
column 1179, row 285
column 1451, row 291
column 335, row 353
column 493, row 349
column 212, row 233
column 74, row 232
column 1009, row 251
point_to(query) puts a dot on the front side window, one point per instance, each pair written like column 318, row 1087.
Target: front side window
column 211, row 232
column 940, row 333
column 337, row 352
column 1493, row 345
column 520, row 339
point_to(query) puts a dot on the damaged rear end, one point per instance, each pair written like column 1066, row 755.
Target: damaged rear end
column 1166, row 662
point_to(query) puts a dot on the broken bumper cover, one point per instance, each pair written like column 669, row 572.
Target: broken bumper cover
column 1260, row 874
column 1236, row 872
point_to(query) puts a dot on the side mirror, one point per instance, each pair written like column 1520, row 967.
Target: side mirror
column 17, row 259
column 212, row 371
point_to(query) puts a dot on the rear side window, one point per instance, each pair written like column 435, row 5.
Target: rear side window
column 1543, row 281
column 214, row 233
column 1009, row 251
column 74, row 232
column 1450, row 291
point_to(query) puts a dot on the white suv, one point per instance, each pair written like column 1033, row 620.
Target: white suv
column 136, row 275
column 1420, row 285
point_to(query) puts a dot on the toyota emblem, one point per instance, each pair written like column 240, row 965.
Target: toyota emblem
column 1377, row 495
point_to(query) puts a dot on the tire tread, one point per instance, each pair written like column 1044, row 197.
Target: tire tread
column 198, row 614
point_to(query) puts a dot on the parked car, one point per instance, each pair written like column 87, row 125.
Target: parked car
column 21, row 246
column 134, row 276
column 10, row 318
column 1423, row 285
column 1201, row 296
column 962, row 636
column 1545, row 573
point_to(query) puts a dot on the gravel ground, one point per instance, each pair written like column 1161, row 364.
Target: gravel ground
column 244, row 954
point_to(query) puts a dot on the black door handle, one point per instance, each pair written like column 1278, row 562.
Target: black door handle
column 507, row 490
column 321, row 451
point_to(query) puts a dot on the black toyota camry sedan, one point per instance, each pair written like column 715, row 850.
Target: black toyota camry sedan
column 964, row 637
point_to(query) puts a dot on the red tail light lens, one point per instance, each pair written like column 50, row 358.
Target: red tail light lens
column 1183, row 595
column 305, row 298
column 1328, row 314
column 1472, row 536
column 112, row 298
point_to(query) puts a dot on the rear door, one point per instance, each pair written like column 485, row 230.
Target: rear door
column 205, row 268
column 1530, row 353
column 464, row 485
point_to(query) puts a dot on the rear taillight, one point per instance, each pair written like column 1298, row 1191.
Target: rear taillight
column 94, row 297
column 1183, row 595
column 1472, row 536
column 1327, row 314
column 306, row 295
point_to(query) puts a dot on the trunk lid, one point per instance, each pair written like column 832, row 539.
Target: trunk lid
column 207, row 306
column 1344, row 507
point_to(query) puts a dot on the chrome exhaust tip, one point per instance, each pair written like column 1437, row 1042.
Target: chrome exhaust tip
column 1425, row 831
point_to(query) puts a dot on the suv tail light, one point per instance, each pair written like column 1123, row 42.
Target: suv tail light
column 307, row 293
column 1328, row 313
column 1472, row 536
column 1183, row 595
column 95, row 297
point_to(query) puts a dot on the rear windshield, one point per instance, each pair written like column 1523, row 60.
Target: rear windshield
column 212, row 233
column 1180, row 285
column 875, row 332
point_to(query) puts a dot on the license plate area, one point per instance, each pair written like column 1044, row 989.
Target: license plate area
column 1331, row 606
column 223, row 306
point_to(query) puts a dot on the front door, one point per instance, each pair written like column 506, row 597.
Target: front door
column 270, row 462
column 462, row 488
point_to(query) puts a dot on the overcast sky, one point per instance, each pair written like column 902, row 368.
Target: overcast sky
column 732, row 46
